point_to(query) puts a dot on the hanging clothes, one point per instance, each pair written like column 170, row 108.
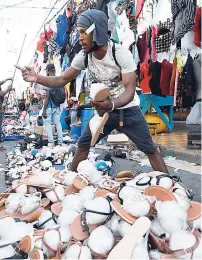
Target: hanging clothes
column 142, row 46
column 62, row 27
column 166, row 74
column 155, row 71
column 145, row 78
column 183, row 12
column 163, row 38
column 197, row 77
column 197, row 27
column 172, row 81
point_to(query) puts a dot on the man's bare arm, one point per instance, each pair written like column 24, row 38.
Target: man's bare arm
column 129, row 82
column 60, row 81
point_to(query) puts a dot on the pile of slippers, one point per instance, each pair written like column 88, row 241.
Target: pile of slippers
column 52, row 214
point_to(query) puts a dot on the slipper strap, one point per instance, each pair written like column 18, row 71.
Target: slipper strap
column 144, row 183
column 37, row 226
column 109, row 216
column 17, row 250
column 122, row 185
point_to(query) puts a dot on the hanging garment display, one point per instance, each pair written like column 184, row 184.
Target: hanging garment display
column 124, row 33
column 166, row 74
column 163, row 38
column 183, row 12
column 197, row 27
column 62, row 27
column 172, row 81
column 197, row 76
column 145, row 78
column 154, row 83
column 40, row 46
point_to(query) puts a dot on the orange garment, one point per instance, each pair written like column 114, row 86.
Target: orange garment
column 144, row 84
column 172, row 81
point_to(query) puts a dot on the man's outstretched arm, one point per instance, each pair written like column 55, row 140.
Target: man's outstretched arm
column 30, row 75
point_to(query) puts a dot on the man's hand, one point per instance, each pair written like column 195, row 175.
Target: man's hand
column 44, row 114
column 104, row 105
column 28, row 73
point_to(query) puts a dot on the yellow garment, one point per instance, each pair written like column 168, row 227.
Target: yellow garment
column 67, row 91
column 179, row 62
column 82, row 98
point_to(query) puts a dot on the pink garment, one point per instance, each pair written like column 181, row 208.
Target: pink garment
column 139, row 7
column 176, row 85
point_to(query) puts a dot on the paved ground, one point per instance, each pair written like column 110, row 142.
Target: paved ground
column 191, row 180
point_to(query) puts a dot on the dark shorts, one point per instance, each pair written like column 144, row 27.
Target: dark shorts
column 134, row 126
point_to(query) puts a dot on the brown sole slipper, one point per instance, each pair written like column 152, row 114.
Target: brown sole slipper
column 71, row 189
column 194, row 212
column 28, row 183
column 161, row 194
column 29, row 217
column 37, row 255
column 80, row 182
column 96, row 135
column 26, row 244
column 77, row 229
column 102, row 95
column 124, row 215
column 124, row 174
column 56, row 208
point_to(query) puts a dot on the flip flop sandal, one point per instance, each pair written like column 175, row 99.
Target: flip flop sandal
column 180, row 252
column 161, row 194
column 85, row 229
column 54, row 191
column 158, row 177
column 71, row 189
column 28, row 183
column 3, row 198
column 37, row 254
column 129, row 241
column 25, row 246
column 117, row 207
column 30, row 217
column 100, row 127
column 80, row 182
column 101, row 193
column 124, row 176
column 56, row 208
column 101, row 93
column 194, row 212
column 110, row 185
column 78, row 231
column 38, row 227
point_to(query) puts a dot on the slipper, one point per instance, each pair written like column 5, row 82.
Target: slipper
column 37, row 254
column 122, row 213
column 101, row 193
column 194, row 212
column 56, row 208
column 71, row 189
column 124, row 249
column 78, row 231
column 80, row 182
column 96, row 125
column 124, row 176
column 160, row 193
column 28, row 217
column 25, row 246
column 28, row 183
column 99, row 92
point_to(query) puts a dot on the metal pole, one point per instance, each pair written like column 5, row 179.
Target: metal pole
column 15, row 71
